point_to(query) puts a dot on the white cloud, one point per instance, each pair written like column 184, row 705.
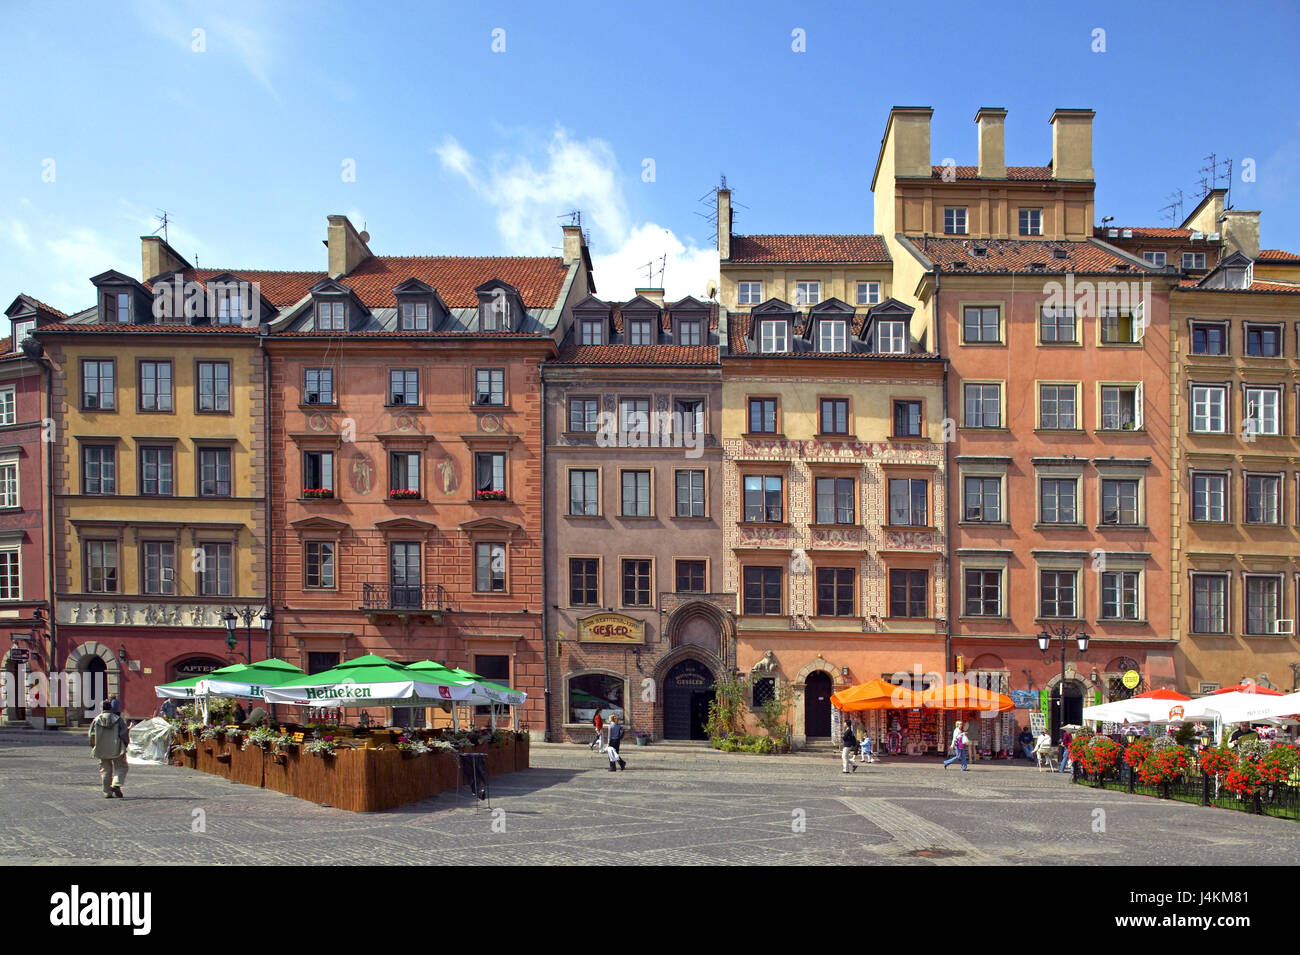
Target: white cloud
column 18, row 234
column 530, row 200
column 76, row 256
column 248, row 38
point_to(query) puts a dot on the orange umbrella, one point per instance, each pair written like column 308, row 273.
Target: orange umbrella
column 1161, row 695
column 963, row 696
column 875, row 695
column 1248, row 688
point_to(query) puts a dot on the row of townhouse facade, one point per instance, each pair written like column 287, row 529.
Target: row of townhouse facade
column 897, row 455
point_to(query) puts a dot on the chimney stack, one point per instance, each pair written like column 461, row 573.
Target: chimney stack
column 1072, row 144
column 157, row 257
column 724, row 224
column 655, row 295
column 991, row 122
column 1241, row 232
column 347, row 247
column 573, row 243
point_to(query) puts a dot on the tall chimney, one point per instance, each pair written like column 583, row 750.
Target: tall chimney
column 157, row 257
column 724, row 224
column 573, row 243
column 909, row 128
column 347, row 247
column 991, row 122
column 1241, row 232
column 655, row 295
column 1072, row 143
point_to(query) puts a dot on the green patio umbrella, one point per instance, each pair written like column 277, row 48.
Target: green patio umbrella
column 180, row 690
column 250, row 679
column 370, row 681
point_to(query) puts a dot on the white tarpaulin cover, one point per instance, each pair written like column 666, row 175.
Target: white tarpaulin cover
column 150, row 742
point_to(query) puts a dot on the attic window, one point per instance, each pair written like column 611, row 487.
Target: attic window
column 891, row 338
column 1121, row 266
column 638, row 332
column 688, row 332
column 959, row 265
column 1060, row 254
column 774, row 337
column 330, row 316
column 1037, row 266
column 979, row 251
column 230, row 307
column 832, row 335
column 117, row 307
column 22, row 330
column 591, row 332
column 415, row 316
column 495, row 314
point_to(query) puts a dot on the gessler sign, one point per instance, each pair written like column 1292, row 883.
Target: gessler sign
column 610, row 628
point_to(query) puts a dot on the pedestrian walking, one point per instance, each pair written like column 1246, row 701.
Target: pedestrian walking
column 1066, row 739
column 615, row 737
column 597, row 722
column 108, row 740
column 115, row 704
column 849, row 746
column 168, row 708
column 960, row 741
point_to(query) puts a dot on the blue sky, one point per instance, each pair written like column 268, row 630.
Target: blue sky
column 461, row 149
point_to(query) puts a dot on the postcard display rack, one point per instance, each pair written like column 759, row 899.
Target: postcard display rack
column 920, row 730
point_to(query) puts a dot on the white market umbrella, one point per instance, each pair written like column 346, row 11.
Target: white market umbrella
column 369, row 681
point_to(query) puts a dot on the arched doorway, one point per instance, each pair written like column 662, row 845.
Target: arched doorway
column 17, row 672
column 1071, row 712
column 817, row 705
column 688, row 691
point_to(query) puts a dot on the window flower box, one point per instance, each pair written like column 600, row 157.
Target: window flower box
column 318, row 492
column 398, row 494
column 490, row 496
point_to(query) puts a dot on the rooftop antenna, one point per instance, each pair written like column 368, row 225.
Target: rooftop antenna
column 1175, row 208
column 649, row 273
column 1213, row 169
column 163, row 220
column 573, row 215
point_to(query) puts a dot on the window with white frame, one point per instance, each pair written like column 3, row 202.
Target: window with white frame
column 8, row 406
column 1121, row 407
column 868, row 293
column 1193, row 260
column 1209, row 603
column 689, row 332
column 774, row 337
column 415, row 316
column 11, row 585
column 983, row 406
column 217, row 570
column 954, row 220
column 832, row 335
column 489, row 386
column 591, row 333
column 808, row 292
column 1120, row 327
column 1209, row 409
column 9, row 484
column 1121, row 501
column 1209, row 496
column 1121, row 594
column 22, row 331
column 891, row 338
column 1263, row 411
column 159, row 559
column 639, row 332
column 1154, row 258
column 1031, row 221
column 690, row 493
column 490, row 568
column 329, row 316
column 1263, row 604
column 584, row 492
column 749, row 293
column 1263, row 498
column 1056, row 407
column 1056, row 325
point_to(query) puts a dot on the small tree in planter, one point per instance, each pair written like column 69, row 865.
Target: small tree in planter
column 727, row 709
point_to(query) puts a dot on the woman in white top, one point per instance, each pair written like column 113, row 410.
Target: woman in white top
column 959, row 744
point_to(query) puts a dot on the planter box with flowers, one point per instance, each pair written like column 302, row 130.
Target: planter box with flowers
column 491, row 496
column 403, row 495
column 642, row 738
column 318, row 493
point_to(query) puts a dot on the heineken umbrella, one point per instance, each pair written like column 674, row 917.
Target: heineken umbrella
column 494, row 692
column 369, row 681
column 180, row 690
column 249, row 679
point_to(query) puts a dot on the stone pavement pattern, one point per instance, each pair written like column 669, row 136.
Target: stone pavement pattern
column 673, row 805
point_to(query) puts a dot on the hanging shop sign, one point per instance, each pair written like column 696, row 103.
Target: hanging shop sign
column 1131, row 679
column 610, row 628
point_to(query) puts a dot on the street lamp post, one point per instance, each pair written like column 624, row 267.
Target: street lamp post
column 249, row 614
column 1063, row 633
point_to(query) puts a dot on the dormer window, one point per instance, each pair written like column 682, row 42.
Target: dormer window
column 774, row 337
column 891, row 338
column 688, row 332
column 117, row 307
column 832, row 336
column 21, row 332
column 495, row 314
column 230, row 307
column 638, row 332
column 591, row 333
column 414, row 316
column 330, row 316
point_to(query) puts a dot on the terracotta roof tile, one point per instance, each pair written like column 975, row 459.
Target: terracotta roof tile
column 960, row 256
column 278, row 288
column 1141, row 232
column 829, row 249
column 1022, row 173
column 638, row 355
column 103, row 328
column 1278, row 255
column 538, row 279
column 49, row 308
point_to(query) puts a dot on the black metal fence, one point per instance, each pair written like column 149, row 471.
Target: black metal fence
column 400, row 597
column 1277, row 799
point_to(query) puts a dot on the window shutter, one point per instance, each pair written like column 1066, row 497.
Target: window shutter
column 1137, row 407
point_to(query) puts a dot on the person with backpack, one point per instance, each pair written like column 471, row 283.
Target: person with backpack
column 960, row 741
column 615, row 737
column 849, row 747
column 108, row 740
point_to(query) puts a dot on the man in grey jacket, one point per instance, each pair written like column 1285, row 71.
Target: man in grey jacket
column 108, row 741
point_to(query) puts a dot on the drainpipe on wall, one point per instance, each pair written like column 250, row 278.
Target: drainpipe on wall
column 948, row 483
column 266, row 486
column 48, row 367
column 546, row 577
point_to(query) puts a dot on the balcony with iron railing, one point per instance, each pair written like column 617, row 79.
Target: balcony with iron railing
column 403, row 600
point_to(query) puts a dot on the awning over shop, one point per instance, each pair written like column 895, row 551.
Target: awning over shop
column 875, row 695
column 964, row 696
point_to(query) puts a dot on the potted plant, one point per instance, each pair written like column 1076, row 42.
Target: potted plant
column 410, row 748
column 323, row 746
column 642, row 738
column 261, row 737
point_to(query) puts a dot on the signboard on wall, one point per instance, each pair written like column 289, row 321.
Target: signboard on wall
column 1037, row 723
column 610, row 628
